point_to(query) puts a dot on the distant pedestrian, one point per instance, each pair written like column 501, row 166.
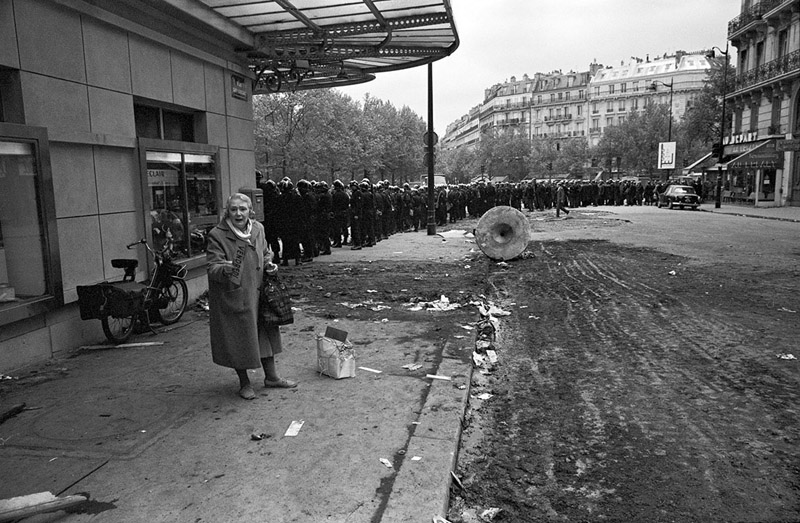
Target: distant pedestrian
column 561, row 200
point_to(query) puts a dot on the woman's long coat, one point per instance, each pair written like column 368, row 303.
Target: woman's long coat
column 233, row 308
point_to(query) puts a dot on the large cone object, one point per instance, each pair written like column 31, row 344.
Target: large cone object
column 502, row 233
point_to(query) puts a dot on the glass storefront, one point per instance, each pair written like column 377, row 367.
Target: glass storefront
column 30, row 280
column 22, row 270
column 183, row 200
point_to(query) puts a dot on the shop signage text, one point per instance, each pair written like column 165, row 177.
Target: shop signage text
column 238, row 89
column 740, row 138
column 162, row 177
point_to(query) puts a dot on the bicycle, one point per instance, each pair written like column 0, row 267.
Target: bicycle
column 121, row 305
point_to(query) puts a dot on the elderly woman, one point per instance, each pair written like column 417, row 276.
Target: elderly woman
column 237, row 257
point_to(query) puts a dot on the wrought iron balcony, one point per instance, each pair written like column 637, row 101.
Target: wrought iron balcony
column 786, row 64
column 752, row 14
column 558, row 117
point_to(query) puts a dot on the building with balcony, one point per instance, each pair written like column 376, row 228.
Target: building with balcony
column 760, row 151
column 545, row 105
column 616, row 92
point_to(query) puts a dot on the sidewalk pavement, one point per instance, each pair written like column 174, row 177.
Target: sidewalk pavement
column 158, row 433
column 788, row 213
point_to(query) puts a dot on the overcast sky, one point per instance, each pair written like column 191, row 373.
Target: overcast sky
column 505, row 38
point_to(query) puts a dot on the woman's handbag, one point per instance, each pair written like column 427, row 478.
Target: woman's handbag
column 274, row 304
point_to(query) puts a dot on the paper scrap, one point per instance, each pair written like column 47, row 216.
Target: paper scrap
column 294, row 428
column 386, row 462
column 416, row 458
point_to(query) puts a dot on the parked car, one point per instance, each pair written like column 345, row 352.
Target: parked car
column 680, row 196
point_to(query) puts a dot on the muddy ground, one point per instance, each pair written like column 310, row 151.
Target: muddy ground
column 623, row 392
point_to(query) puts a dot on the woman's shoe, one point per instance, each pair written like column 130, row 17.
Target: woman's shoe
column 247, row 392
column 280, row 383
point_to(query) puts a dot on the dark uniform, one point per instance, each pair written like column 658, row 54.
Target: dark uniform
column 340, row 205
column 356, row 202
column 324, row 218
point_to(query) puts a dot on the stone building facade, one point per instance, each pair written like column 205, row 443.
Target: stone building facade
column 760, row 151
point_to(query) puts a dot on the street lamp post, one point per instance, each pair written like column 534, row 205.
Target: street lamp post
column 718, row 191
column 670, row 84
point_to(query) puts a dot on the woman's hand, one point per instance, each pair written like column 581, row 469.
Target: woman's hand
column 227, row 267
column 270, row 269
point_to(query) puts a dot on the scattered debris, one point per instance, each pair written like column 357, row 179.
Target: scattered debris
column 490, row 513
column 386, row 462
column 371, row 370
column 492, row 355
column 412, row 366
column 416, row 458
column 439, row 519
column 483, row 396
column 259, row 437
column 371, row 290
column 456, row 480
column 442, row 304
column 4, row 377
column 784, row 309
column 784, row 356
column 672, row 273
column 202, row 302
column 294, row 428
column 438, row 377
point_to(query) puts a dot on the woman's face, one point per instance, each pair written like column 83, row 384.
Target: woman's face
column 239, row 213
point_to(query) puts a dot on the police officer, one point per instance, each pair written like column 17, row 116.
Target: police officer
column 324, row 218
column 340, row 205
column 356, row 204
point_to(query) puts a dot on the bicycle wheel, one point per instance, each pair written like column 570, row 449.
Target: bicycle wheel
column 174, row 298
column 118, row 330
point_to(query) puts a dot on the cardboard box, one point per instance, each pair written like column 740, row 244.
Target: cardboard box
column 335, row 358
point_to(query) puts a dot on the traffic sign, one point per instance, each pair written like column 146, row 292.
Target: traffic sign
column 425, row 138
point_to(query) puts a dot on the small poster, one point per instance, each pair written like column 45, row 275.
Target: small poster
column 666, row 155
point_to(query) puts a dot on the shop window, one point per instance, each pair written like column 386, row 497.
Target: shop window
column 753, row 118
column 163, row 124
column 30, row 275
column 183, row 192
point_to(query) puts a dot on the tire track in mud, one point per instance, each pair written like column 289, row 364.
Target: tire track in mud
column 630, row 400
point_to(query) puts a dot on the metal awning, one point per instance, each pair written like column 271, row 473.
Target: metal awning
column 308, row 44
column 762, row 156
column 687, row 170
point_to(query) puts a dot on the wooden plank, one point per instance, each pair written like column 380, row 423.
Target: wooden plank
column 39, row 503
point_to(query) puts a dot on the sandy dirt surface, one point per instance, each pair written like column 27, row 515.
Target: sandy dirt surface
column 636, row 385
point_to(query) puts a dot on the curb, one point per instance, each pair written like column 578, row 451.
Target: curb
column 745, row 215
column 420, row 493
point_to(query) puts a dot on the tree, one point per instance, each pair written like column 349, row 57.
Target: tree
column 325, row 134
column 635, row 142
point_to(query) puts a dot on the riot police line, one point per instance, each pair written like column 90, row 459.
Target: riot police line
column 309, row 219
